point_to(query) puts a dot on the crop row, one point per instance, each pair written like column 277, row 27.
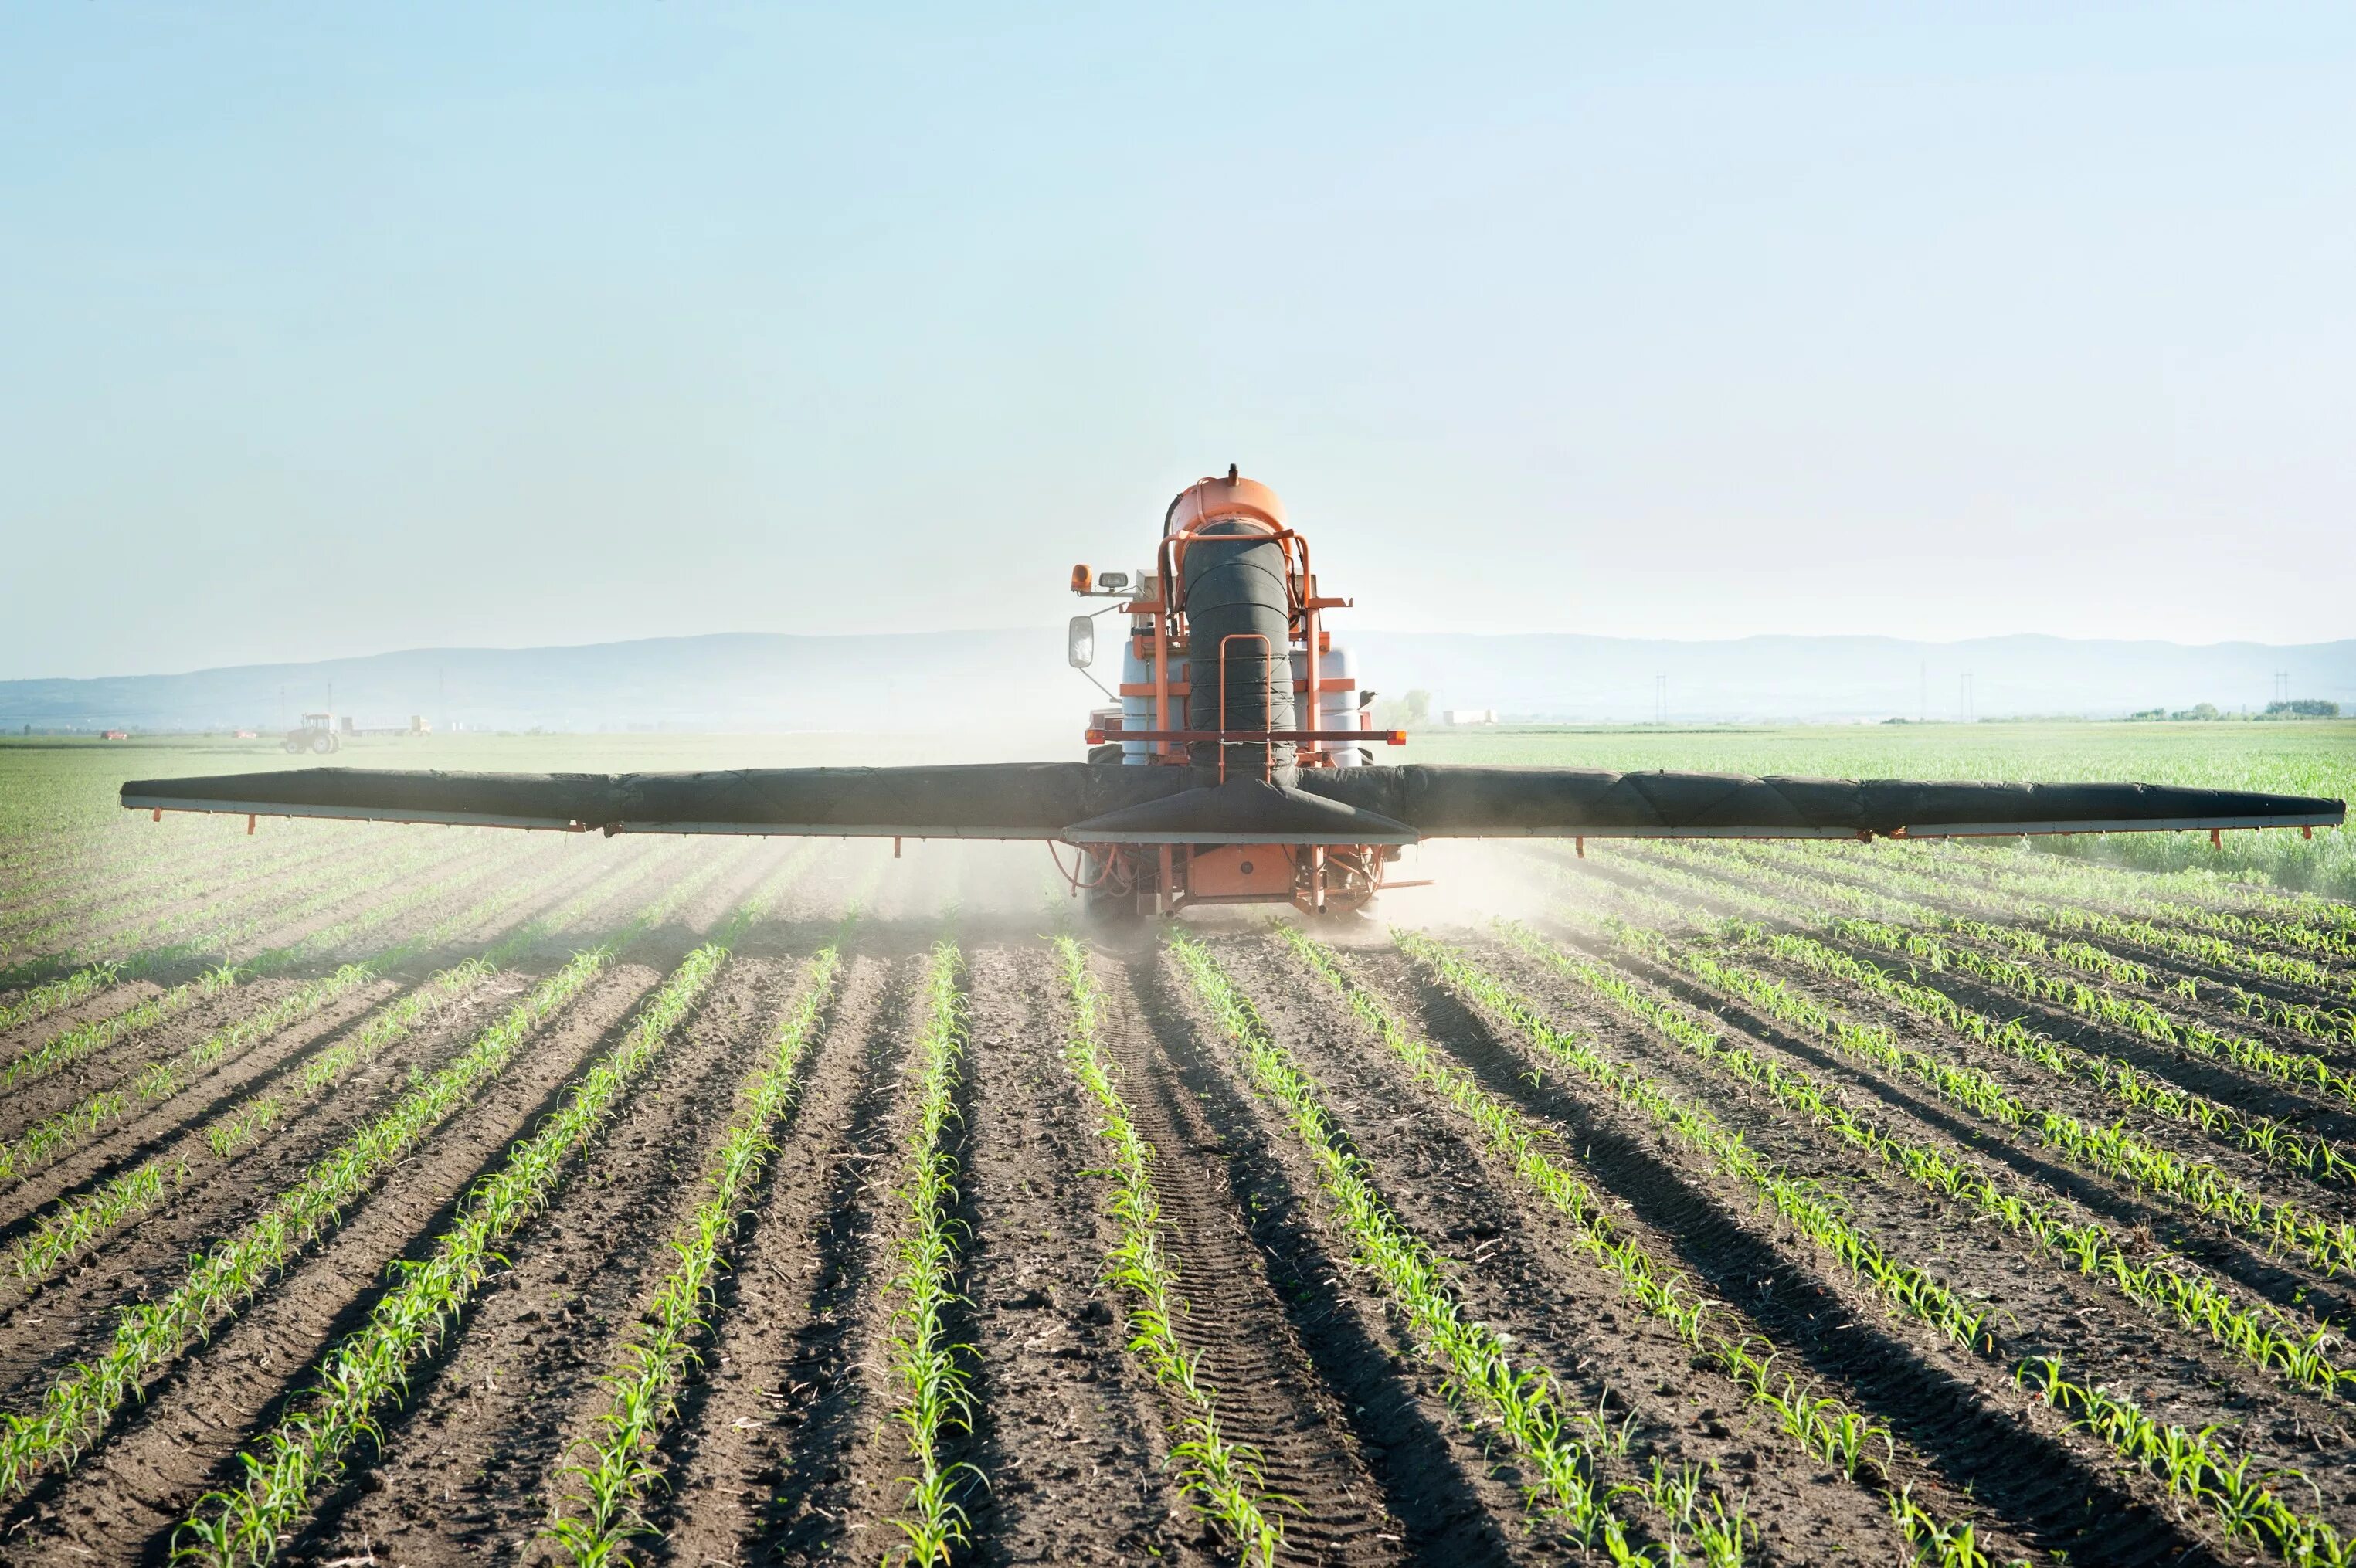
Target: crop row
column 2171, row 1286
column 929, row 1370
column 74, row 1224
column 207, row 928
column 1811, row 1210
column 162, row 1078
column 96, row 903
column 620, row 1467
column 1565, row 1453
column 150, row 1336
column 2300, row 1538
column 2073, row 921
column 1221, row 1479
column 2270, row 1139
column 1822, row 1426
column 138, row 881
column 367, row 1372
column 2146, row 1020
column 71, row 1044
column 2197, row 899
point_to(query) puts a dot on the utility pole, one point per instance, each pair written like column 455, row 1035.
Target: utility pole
column 2282, row 685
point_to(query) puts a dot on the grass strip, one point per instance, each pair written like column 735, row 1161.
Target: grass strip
column 2171, row 1286
column 1221, row 1480
column 1825, row 1427
column 619, row 1470
column 1524, row 1404
column 936, row 1395
column 2252, row 1509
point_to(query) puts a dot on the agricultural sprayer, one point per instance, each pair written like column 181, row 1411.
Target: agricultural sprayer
column 1237, row 768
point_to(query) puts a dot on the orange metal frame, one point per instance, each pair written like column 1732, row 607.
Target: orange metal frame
column 1168, row 742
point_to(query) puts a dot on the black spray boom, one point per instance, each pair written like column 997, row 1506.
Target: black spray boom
column 1084, row 802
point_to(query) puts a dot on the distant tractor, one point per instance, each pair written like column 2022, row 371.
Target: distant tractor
column 317, row 733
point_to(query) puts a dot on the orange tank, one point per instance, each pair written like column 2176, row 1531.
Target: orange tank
column 1208, row 500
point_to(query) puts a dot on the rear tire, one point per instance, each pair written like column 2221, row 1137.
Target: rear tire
column 322, row 743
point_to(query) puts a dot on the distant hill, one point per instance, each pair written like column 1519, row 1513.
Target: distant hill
column 952, row 681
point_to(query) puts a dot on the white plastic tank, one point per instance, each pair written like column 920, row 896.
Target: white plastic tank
column 1335, row 709
column 1136, row 710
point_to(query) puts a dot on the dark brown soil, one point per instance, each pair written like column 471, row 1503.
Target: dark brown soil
column 784, row 1448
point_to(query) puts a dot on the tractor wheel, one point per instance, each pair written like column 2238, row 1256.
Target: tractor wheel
column 292, row 745
column 323, row 742
column 1107, row 755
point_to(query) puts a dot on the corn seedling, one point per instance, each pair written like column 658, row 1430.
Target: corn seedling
column 1524, row 1403
column 930, row 1372
column 620, row 1465
column 1221, row 1479
column 367, row 1371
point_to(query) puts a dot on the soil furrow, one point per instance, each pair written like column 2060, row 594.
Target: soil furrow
column 1077, row 1468
column 1309, row 1370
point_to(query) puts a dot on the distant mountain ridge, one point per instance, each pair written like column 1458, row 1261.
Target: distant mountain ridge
column 952, row 681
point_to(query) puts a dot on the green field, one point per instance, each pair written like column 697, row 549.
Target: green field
column 2317, row 758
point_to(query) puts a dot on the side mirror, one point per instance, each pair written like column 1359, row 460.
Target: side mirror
column 1080, row 642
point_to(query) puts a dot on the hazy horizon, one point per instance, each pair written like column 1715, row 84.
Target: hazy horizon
column 340, row 332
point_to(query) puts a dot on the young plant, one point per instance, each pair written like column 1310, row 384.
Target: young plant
column 619, row 1468
column 936, row 1395
column 1221, row 1479
column 367, row 1372
column 1523, row 1402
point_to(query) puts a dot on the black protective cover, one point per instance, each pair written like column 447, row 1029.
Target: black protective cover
column 1044, row 800
column 1462, row 802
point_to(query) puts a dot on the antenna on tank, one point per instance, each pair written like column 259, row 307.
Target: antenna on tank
column 1231, row 472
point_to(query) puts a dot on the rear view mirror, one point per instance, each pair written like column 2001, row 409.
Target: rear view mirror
column 1080, row 642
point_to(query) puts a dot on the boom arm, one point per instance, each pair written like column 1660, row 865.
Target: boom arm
column 1082, row 802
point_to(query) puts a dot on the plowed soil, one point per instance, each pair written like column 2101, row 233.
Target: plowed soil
column 782, row 1444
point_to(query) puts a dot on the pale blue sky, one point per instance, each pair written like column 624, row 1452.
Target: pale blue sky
column 332, row 329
